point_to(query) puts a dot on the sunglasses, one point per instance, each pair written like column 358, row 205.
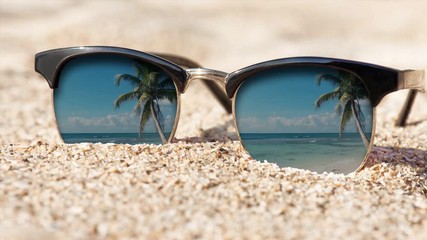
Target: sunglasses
column 305, row 112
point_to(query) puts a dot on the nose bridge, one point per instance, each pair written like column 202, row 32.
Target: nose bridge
column 211, row 78
column 206, row 74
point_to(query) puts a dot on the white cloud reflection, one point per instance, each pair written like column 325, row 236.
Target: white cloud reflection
column 326, row 122
column 111, row 120
column 312, row 120
column 124, row 122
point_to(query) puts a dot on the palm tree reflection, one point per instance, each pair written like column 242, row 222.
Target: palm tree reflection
column 150, row 86
column 349, row 91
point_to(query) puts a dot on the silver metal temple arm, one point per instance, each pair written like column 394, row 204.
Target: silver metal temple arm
column 412, row 79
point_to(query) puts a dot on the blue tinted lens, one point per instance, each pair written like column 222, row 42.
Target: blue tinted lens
column 114, row 99
column 308, row 117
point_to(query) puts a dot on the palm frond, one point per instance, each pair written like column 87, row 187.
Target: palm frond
column 170, row 95
column 141, row 100
column 151, row 85
column 329, row 78
column 342, row 101
column 162, row 76
column 360, row 91
column 140, row 69
column 345, row 117
column 324, row 98
column 165, row 82
column 134, row 81
column 346, row 75
column 125, row 97
column 146, row 72
column 145, row 116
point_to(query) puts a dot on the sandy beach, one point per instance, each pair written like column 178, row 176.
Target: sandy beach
column 207, row 187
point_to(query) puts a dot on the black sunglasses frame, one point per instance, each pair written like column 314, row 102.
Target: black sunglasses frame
column 378, row 80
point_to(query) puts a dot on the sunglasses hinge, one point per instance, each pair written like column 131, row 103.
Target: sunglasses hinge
column 412, row 79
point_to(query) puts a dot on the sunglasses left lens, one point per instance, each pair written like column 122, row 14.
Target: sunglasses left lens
column 114, row 99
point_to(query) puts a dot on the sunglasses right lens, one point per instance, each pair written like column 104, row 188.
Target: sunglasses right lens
column 114, row 99
column 309, row 117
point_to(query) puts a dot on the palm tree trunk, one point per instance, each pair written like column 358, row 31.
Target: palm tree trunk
column 359, row 126
column 156, row 121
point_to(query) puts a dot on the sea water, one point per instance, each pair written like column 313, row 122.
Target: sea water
column 312, row 151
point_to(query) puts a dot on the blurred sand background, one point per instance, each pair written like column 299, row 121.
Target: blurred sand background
column 223, row 35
